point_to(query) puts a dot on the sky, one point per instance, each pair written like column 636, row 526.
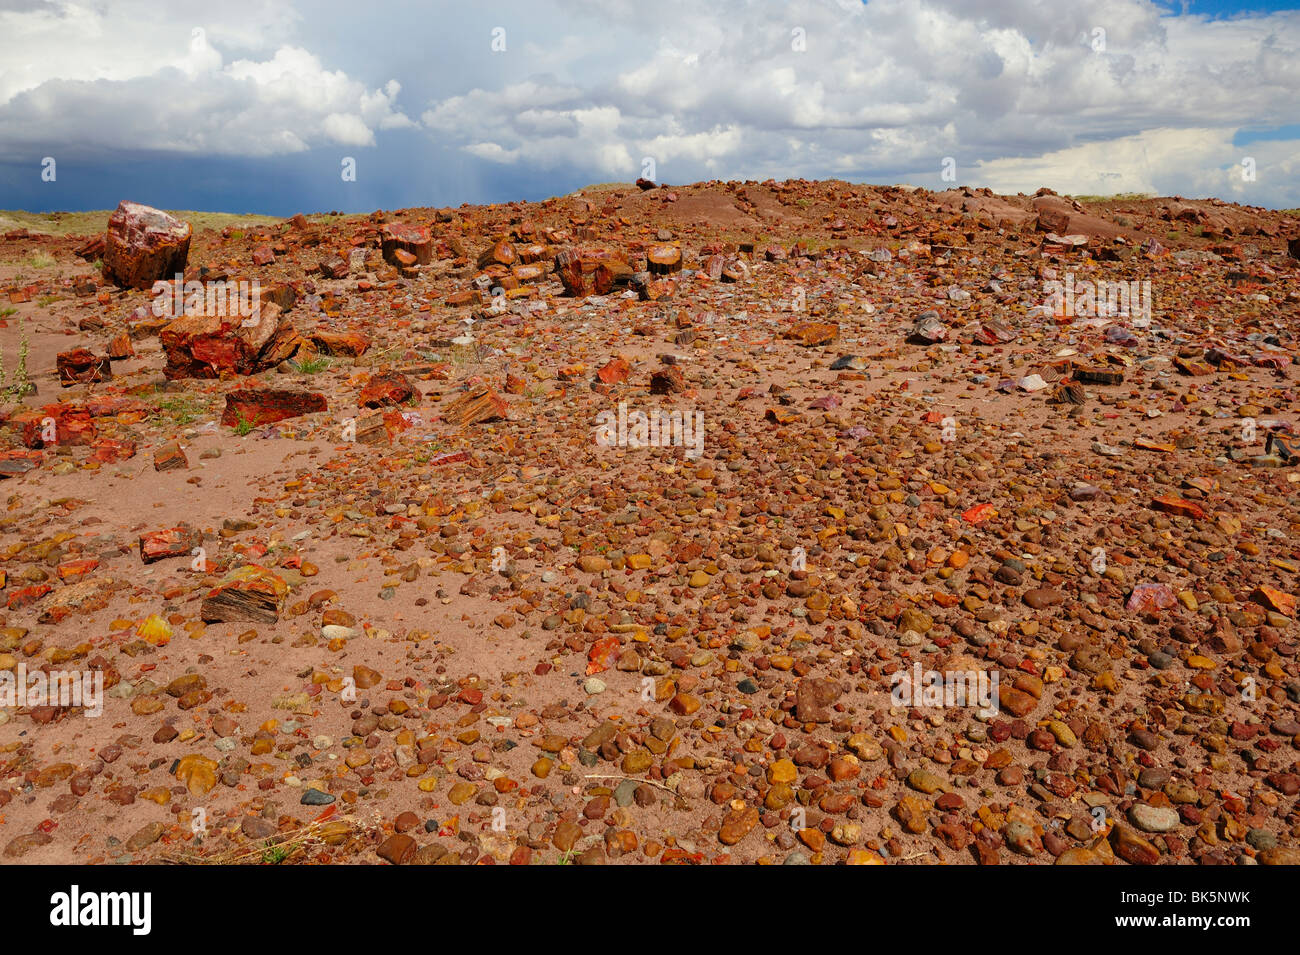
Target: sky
column 247, row 106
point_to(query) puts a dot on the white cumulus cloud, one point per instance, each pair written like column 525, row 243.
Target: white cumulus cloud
column 90, row 78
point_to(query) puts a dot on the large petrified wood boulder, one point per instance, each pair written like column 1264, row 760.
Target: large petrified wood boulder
column 144, row 245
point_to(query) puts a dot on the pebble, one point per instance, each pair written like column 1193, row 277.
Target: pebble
column 1153, row 818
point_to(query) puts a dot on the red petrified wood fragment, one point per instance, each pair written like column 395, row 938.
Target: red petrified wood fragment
column 65, row 424
column 667, row 381
column 474, row 407
column 170, row 457
column 1177, row 505
column 499, row 253
column 27, row 596
column 347, row 344
column 333, row 267
column 250, row 593
column 212, row 346
column 413, row 239
column 109, row 450
column 614, row 371
column 611, row 275
column 121, row 347
column 72, row 424
column 664, row 259
column 176, row 541
column 568, row 266
column 79, row 366
column 387, row 388
column 259, row 406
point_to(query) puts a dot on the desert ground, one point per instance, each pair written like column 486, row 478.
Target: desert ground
column 396, row 570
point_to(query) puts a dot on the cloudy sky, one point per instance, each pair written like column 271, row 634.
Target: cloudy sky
column 245, row 106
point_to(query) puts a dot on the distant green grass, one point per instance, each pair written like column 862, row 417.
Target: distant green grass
column 1117, row 197
column 90, row 223
column 601, row 187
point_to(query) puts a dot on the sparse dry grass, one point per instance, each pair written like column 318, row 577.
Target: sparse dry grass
column 277, row 850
